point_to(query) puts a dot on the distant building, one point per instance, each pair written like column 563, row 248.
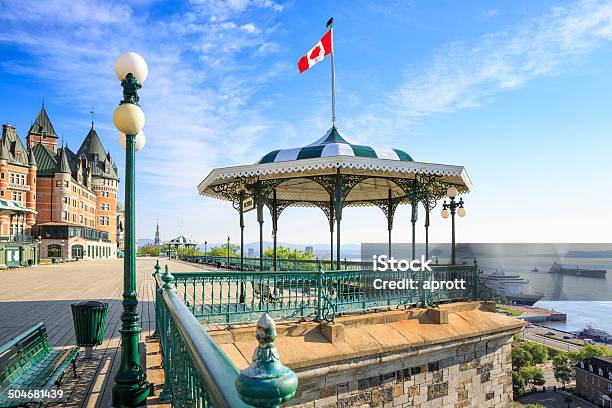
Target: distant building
column 76, row 195
column 157, row 240
column 309, row 250
column 594, row 380
column 251, row 253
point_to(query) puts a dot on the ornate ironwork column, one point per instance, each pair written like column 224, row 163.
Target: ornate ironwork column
column 274, row 228
column 260, row 203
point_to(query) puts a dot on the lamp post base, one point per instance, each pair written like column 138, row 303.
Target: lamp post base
column 131, row 395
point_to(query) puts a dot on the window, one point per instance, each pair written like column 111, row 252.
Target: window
column 58, row 183
column 600, row 371
column 590, row 368
column 65, row 215
column 65, row 184
column 66, row 199
column 105, row 206
column 17, row 178
column 2, row 193
column 104, row 220
column 54, row 251
column 2, row 175
column 17, row 196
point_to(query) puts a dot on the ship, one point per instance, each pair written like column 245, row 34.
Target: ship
column 512, row 287
column 586, row 272
column 593, row 333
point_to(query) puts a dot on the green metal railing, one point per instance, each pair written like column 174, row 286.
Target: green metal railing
column 282, row 264
column 236, row 296
column 197, row 373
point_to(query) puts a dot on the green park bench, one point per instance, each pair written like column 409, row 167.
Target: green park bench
column 28, row 362
column 264, row 292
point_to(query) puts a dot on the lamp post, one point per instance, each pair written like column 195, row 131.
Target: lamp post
column 453, row 206
column 38, row 241
column 131, row 387
column 205, row 251
column 228, row 245
column 63, row 246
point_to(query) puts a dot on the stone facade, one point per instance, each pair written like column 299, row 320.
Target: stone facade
column 458, row 376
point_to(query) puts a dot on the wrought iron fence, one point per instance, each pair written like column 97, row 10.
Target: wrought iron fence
column 282, row 264
column 197, row 373
column 241, row 296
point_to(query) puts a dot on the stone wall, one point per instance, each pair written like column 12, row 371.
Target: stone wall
column 477, row 373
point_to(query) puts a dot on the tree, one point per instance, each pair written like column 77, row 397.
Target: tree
column 532, row 376
column 287, row 253
column 520, row 357
column 518, row 383
column 222, row 250
column 563, row 368
column 538, row 352
column 591, row 350
column 149, row 250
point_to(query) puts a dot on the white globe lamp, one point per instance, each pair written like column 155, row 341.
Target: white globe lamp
column 452, row 192
column 141, row 140
column 461, row 212
column 129, row 118
column 130, row 62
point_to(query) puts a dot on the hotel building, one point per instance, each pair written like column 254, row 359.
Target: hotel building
column 76, row 196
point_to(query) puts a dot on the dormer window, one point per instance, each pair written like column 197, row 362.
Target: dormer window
column 590, row 368
column 610, row 375
column 582, row 364
column 600, row 371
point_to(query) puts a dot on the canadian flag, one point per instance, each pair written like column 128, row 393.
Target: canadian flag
column 317, row 53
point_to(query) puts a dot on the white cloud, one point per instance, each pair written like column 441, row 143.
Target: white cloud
column 461, row 75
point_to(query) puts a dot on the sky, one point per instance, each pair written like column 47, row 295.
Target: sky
column 517, row 92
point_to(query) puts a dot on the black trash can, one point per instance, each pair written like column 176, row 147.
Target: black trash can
column 89, row 320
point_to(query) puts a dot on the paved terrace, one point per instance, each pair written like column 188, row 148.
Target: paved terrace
column 45, row 293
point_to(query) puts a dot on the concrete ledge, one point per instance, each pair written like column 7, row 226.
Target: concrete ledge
column 309, row 344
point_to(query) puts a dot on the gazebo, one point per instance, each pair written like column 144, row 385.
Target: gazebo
column 331, row 174
column 180, row 242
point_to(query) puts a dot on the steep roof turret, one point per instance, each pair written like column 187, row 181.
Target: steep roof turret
column 31, row 158
column 93, row 149
column 42, row 124
column 62, row 165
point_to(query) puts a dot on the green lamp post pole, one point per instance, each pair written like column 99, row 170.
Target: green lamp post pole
column 228, row 257
column 131, row 388
column 454, row 207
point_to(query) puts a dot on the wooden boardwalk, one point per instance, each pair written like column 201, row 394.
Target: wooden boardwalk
column 45, row 293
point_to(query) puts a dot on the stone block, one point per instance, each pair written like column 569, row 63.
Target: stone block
column 333, row 332
column 437, row 390
column 326, row 402
column 412, row 390
column 328, row 392
column 438, row 316
column 462, row 404
column 398, row 389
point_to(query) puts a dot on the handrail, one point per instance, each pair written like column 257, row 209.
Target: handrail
column 214, row 368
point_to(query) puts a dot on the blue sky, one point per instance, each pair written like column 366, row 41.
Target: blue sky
column 517, row 92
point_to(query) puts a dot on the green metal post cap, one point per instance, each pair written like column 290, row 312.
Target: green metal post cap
column 266, row 383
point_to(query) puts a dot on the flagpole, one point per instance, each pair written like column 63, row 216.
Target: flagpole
column 333, row 74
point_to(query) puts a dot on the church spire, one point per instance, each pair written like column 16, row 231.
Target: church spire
column 157, row 240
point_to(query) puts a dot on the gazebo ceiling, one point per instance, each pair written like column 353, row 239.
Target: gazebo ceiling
column 305, row 176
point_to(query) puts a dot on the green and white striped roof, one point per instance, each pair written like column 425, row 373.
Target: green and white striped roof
column 12, row 207
column 334, row 143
